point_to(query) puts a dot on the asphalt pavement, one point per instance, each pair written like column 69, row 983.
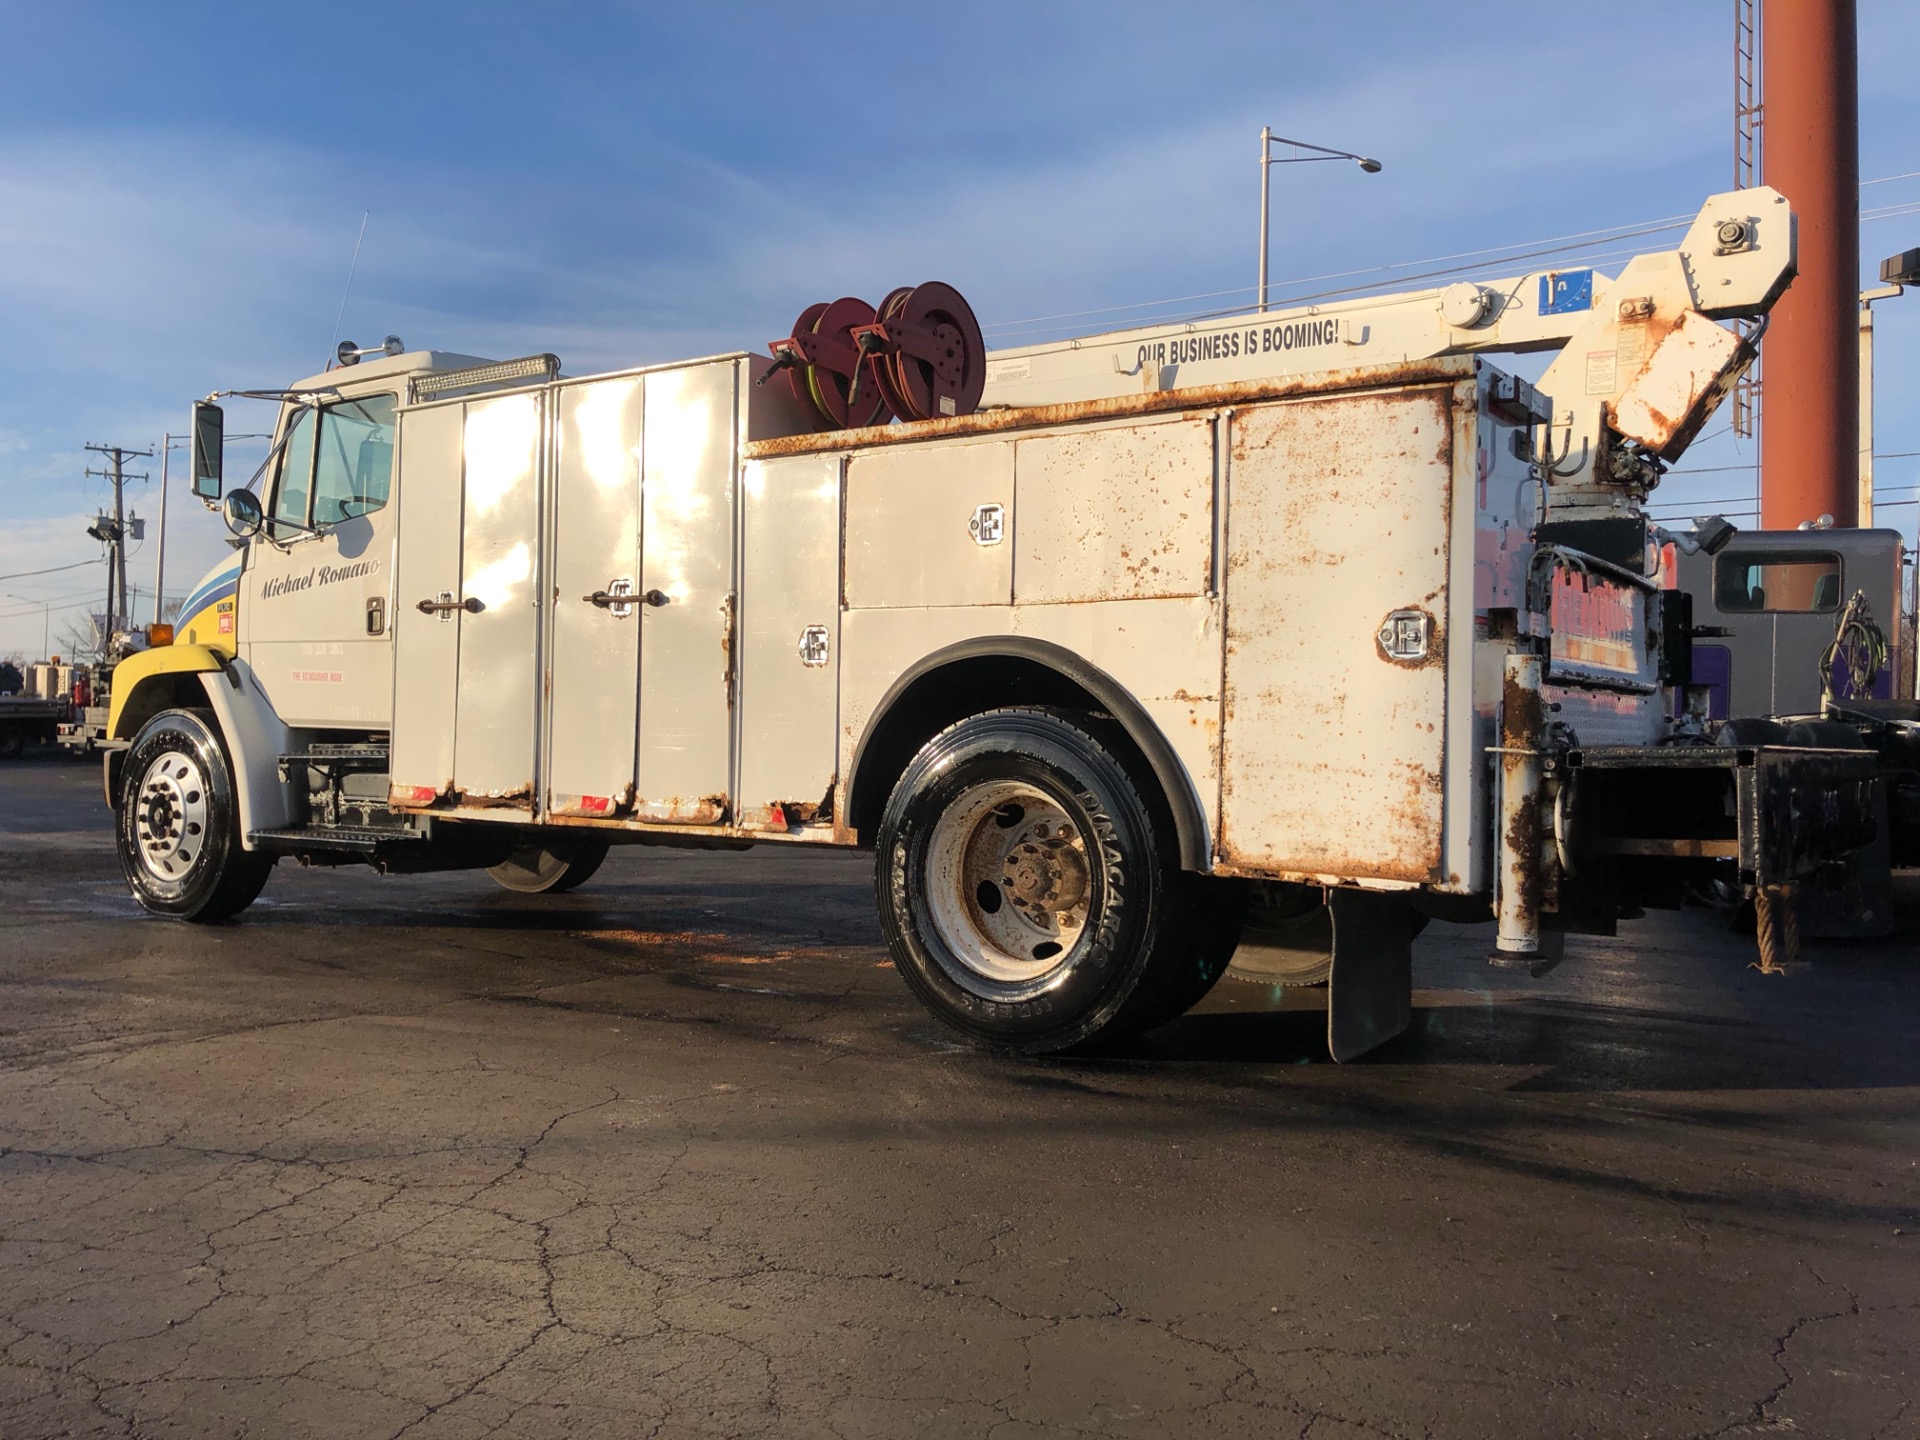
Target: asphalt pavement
column 678, row 1155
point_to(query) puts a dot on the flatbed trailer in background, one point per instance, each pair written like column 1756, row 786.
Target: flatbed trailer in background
column 28, row 720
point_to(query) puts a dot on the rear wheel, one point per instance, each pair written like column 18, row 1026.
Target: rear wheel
column 549, row 866
column 1288, row 938
column 1024, row 892
column 177, row 823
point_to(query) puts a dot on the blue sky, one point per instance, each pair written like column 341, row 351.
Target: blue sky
column 181, row 185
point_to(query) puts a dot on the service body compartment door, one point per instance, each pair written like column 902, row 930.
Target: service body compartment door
column 427, row 567
column 596, row 553
column 498, row 699
column 1334, row 730
column 686, row 641
column 789, row 640
column 467, row 647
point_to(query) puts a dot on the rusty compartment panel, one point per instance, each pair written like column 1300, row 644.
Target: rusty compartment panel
column 701, row 810
column 1119, row 513
column 514, row 797
column 1332, row 751
column 913, row 532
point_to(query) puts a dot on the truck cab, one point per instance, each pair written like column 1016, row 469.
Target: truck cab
column 1765, row 608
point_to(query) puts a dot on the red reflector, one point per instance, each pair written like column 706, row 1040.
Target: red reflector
column 417, row 794
column 596, row 804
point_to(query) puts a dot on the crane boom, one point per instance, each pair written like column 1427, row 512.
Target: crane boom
column 1642, row 362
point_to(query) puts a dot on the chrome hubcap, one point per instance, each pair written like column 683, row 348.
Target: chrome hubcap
column 170, row 815
column 1009, row 883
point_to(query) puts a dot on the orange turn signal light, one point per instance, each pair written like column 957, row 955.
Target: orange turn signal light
column 159, row 634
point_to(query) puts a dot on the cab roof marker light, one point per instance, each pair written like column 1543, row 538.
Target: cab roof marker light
column 439, row 382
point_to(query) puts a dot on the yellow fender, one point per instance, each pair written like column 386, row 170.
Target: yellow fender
column 138, row 669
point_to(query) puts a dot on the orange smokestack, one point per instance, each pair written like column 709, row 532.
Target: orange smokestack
column 1810, row 404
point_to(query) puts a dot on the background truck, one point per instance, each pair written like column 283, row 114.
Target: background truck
column 28, row 720
column 1812, row 628
column 1259, row 640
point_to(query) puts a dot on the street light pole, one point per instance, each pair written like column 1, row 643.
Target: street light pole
column 1896, row 272
column 1267, row 162
column 46, row 621
column 1867, row 297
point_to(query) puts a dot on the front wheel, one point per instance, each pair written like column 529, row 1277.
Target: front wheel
column 1024, row 894
column 177, row 823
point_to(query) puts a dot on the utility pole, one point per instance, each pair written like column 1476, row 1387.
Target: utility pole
column 160, row 550
column 114, row 532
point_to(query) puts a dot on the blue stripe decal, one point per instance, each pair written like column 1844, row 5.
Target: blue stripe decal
column 207, row 597
column 218, row 587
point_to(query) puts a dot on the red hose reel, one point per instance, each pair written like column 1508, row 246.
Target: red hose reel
column 918, row 356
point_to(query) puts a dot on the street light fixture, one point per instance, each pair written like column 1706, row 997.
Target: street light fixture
column 1897, row 272
column 1268, row 161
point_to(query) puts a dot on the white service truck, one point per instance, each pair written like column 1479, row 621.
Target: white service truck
column 1259, row 639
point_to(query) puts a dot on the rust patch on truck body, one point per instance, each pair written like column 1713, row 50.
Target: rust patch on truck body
column 703, row 810
column 1333, row 750
column 1199, row 397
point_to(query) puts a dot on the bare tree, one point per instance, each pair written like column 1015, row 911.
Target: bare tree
column 82, row 638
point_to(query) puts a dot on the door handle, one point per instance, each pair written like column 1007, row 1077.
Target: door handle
column 446, row 605
column 617, row 599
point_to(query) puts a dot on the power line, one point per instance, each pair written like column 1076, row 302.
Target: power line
column 1523, row 251
column 53, row 569
column 19, row 614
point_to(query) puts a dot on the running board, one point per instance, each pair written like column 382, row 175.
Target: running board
column 329, row 837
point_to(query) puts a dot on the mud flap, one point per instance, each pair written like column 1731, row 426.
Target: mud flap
column 1370, row 993
column 1854, row 901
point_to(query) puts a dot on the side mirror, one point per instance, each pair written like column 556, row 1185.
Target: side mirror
column 1714, row 532
column 208, row 450
column 241, row 511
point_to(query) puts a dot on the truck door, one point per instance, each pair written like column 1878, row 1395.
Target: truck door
column 1781, row 602
column 1334, row 737
column 598, row 609
column 315, row 621
column 466, row 698
column 686, row 639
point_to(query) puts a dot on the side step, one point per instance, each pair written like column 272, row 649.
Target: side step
column 338, row 838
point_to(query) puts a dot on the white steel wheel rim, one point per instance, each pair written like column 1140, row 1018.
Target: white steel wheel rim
column 1009, row 884
column 170, row 816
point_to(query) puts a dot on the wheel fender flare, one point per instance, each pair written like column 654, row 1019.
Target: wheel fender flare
column 1191, row 834
column 256, row 739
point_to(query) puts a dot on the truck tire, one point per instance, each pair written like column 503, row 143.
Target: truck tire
column 1025, row 897
column 550, row 867
column 177, row 825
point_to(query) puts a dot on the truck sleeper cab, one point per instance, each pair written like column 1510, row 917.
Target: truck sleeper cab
column 1118, row 691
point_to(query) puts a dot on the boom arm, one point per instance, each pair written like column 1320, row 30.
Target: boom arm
column 1641, row 364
